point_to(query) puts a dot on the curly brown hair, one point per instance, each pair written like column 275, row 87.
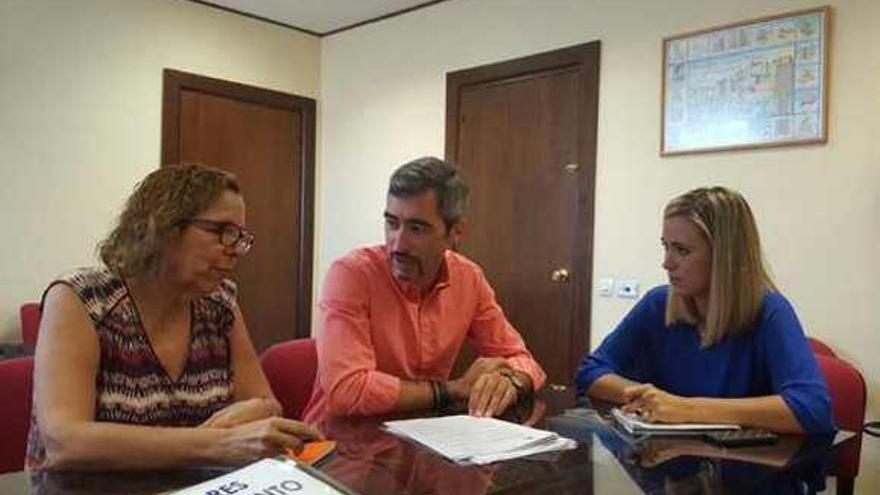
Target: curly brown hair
column 156, row 213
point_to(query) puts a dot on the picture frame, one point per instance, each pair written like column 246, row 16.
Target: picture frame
column 753, row 84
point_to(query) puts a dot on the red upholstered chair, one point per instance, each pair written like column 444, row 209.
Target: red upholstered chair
column 30, row 314
column 290, row 368
column 16, row 383
column 820, row 347
column 848, row 397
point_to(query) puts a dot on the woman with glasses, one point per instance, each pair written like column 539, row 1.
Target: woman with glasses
column 145, row 362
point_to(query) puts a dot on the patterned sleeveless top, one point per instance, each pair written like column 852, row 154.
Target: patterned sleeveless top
column 131, row 385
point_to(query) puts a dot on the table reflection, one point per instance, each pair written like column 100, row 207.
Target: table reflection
column 371, row 461
column 375, row 462
column 113, row 483
column 796, row 464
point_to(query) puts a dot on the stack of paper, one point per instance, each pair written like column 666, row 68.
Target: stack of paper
column 635, row 425
column 472, row 440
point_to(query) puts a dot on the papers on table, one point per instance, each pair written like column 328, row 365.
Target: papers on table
column 634, row 425
column 265, row 476
column 471, row 440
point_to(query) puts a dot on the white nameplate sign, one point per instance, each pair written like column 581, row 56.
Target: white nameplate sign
column 266, row 477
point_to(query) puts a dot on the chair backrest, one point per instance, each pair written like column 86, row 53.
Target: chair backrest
column 848, row 392
column 291, row 368
column 16, row 384
column 849, row 398
column 820, row 347
column 29, row 315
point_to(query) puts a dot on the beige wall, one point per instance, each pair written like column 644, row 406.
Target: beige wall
column 80, row 114
column 383, row 91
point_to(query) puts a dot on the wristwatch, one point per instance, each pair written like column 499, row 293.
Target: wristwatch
column 515, row 381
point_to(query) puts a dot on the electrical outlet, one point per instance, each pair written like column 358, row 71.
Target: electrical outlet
column 628, row 289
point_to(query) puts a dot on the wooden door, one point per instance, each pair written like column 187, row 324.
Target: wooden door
column 266, row 138
column 524, row 131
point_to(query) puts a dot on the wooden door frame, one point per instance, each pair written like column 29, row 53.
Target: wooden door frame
column 587, row 57
column 174, row 82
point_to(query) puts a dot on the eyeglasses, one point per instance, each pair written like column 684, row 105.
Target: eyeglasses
column 230, row 234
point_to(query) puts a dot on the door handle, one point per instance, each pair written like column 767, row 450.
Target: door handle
column 560, row 276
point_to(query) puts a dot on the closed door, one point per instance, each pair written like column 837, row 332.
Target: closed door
column 267, row 140
column 524, row 132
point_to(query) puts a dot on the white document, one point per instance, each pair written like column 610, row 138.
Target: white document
column 559, row 443
column 471, row 440
column 634, row 425
column 265, row 476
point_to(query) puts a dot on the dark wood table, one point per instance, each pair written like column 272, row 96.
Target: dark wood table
column 370, row 461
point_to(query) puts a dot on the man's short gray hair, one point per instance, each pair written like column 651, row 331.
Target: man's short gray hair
column 431, row 173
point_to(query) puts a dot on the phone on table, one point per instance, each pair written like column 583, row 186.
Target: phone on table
column 741, row 438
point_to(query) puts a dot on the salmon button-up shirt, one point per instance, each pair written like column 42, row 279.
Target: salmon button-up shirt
column 375, row 332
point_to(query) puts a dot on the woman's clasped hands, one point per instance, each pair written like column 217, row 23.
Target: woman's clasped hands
column 655, row 405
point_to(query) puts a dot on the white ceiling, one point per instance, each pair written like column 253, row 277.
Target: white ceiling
column 318, row 16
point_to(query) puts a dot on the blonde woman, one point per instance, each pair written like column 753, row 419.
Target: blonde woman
column 146, row 362
column 719, row 344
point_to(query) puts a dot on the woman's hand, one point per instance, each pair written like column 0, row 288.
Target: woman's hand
column 655, row 405
column 243, row 411
column 267, row 437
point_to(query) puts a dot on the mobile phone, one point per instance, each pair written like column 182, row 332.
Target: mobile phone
column 741, row 438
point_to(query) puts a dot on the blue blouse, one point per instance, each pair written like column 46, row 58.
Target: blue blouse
column 772, row 359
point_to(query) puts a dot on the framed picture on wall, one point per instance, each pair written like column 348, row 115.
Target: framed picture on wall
column 753, row 84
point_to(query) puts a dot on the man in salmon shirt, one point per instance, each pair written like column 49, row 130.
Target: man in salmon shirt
column 393, row 318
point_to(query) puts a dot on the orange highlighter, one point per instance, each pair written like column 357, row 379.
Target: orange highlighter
column 313, row 452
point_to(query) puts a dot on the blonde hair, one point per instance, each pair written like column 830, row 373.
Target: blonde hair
column 739, row 279
column 156, row 213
